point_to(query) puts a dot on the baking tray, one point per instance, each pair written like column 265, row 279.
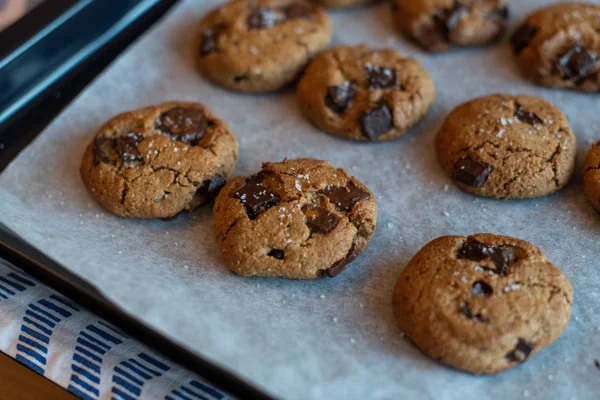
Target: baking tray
column 26, row 110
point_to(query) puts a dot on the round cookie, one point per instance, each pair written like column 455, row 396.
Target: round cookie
column 364, row 94
column 507, row 147
column 339, row 4
column 261, row 45
column 559, row 46
column 483, row 303
column 298, row 219
column 591, row 176
column 158, row 161
column 436, row 25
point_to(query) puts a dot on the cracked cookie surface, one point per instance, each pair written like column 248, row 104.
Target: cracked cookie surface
column 365, row 94
column 437, row 25
column 559, row 46
column 158, row 161
column 591, row 176
column 507, row 147
column 299, row 219
column 261, row 45
column 483, row 303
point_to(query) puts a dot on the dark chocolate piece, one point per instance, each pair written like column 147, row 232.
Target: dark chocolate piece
column 377, row 122
column 502, row 256
column 339, row 97
column 480, row 288
column 522, row 37
column 381, row 77
column 577, row 63
column 341, row 265
column 126, row 146
column 319, row 220
column 255, row 197
column 183, row 124
column 527, row 116
column 471, row 172
column 521, row 352
column 344, row 198
column 262, row 18
column 278, row 254
column 102, row 149
column 298, row 11
column 465, row 310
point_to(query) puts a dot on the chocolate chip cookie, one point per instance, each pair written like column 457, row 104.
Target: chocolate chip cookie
column 261, row 45
column 507, row 147
column 436, row 25
column 483, row 303
column 158, row 161
column 365, row 94
column 559, row 46
column 338, row 4
column 591, row 176
column 299, row 219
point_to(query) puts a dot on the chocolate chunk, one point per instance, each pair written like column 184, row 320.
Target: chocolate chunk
column 255, row 197
column 344, row 198
column 211, row 188
column 480, row 288
column 577, row 63
column 447, row 18
column 465, row 310
column 183, row 124
column 521, row 352
column 102, row 149
column 381, row 77
column 341, row 265
column 339, row 97
column 278, row 254
column 262, row 18
column 502, row 12
column 298, row 11
column 210, row 39
column 471, row 172
column 318, row 219
column 126, row 146
column 502, row 256
column 522, row 36
column 527, row 116
column 377, row 122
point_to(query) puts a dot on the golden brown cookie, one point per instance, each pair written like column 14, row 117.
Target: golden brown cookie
column 591, row 176
column 483, row 303
column 298, row 219
column 437, row 25
column 559, row 46
column 364, row 94
column 507, row 147
column 261, row 45
column 158, row 161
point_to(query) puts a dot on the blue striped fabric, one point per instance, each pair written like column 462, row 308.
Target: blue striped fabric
column 86, row 355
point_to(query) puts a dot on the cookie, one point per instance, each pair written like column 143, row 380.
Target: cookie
column 483, row 303
column 364, row 94
column 559, row 46
column 507, row 147
column 339, row 4
column 437, row 25
column 261, row 45
column 591, row 176
column 299, row 219
column 158, row 161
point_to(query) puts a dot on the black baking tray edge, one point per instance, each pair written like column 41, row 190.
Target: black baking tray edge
column 31, row 120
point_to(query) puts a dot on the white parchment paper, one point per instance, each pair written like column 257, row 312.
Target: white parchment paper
column 331, row 338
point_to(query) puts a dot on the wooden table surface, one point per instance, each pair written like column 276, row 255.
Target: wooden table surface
column 17, row 382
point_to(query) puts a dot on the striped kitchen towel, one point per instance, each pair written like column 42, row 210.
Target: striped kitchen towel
column 82, row 353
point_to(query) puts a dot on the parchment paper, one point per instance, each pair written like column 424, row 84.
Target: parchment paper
column 331, row 338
